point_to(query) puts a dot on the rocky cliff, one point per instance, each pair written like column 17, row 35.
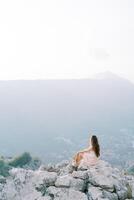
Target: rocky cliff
column 62, row 182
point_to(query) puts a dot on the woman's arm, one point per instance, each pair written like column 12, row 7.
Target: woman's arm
column 85, row 150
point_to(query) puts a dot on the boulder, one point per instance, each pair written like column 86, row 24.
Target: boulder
column 65, row 194
column 47, row 178
column 69, row 182
column 80, row 174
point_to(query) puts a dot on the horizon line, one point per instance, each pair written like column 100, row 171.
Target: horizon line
column 94, row 77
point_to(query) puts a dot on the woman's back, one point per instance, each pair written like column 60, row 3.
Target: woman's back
column 88, row 159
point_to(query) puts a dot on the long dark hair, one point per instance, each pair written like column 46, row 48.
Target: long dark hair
column 95, row 145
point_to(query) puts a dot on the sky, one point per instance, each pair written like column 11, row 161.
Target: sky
column 52, row 39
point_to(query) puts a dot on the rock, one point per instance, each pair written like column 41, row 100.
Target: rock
column 80, row 174
column 67, row 169
column 94, row 192
column 62, row 164
column 98, row 193
column 131, row 184
column 63, row 182
column 56, row 192
column 68, row 181
column 47, row 178
column 109, row 195
column 100, row 180
column 122, row 195
column 45, row 198
column 49, row 168
column 65, row 194
column 72, row 194
column 2, row 180
column 78, row 184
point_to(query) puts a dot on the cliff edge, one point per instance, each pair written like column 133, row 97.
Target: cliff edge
column 62, row 182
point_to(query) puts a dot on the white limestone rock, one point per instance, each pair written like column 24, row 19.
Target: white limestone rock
column 100, row 182
column 69, row 182
column 65, row 194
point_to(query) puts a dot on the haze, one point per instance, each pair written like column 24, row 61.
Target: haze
column 66, row 39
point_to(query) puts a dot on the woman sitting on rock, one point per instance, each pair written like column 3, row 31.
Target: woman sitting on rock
column 89, row 156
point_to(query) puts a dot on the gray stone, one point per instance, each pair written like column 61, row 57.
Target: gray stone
column 100, row 182
column 68, row 181
column 63, row 181
column 80, row 174
column 109, row 195
column 94, row 193
column 48, row 178
column 65, row 194
column 78, row 184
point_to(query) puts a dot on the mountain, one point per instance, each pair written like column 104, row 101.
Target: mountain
column 52, row 118
column 62, row 182
column 109, row 75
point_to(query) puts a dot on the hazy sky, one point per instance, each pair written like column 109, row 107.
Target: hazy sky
column 66, row 38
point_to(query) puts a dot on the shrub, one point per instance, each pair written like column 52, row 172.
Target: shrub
column 21, row 160
column 4, row 168
column 131, row 170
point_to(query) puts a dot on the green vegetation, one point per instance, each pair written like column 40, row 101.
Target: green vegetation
column 24, row 161
column 131, row 170
column 4, row 168
column 20, row 161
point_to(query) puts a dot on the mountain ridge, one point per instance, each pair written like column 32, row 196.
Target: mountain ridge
column 99, row 76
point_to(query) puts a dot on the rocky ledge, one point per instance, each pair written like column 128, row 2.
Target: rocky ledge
column 62, row 182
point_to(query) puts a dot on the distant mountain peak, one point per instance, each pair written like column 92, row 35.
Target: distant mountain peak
column 108, row 75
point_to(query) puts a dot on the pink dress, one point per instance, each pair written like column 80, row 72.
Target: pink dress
column 89, row 159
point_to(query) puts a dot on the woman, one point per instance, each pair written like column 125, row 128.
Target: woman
column 89, row 156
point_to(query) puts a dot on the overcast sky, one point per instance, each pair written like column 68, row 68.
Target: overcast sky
column 66, row 38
